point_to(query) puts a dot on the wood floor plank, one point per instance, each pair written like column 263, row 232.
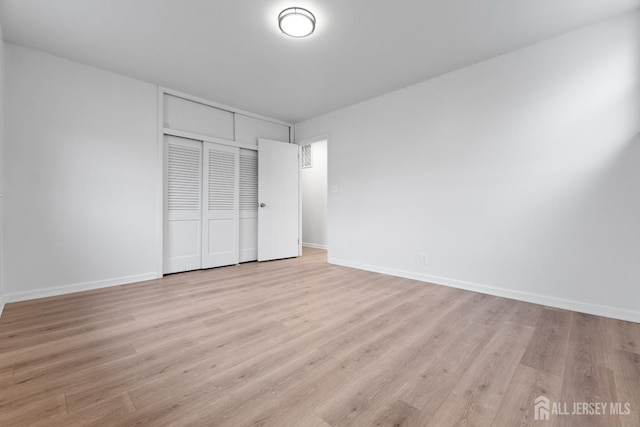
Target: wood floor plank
column 389, row 346
column 299, row 342
column 632, row 417
column 587, row 376
column 527, row 384
column 430, row 382
column 48, row 407
column 622, row 335
column 457, row 411
column 369, row 389
column 396, row 413
column 122, row 380
column 288, row 406
column 501, row 310
column 99, row 414
column 226, row 369
column 76, row 361
column 549, row 344
column 626, row 369
column 19, row 342
column 109, row 334
column 285, row 408
column 226, row 407
column 311, row 420
column 584, row 383
column 487, row 379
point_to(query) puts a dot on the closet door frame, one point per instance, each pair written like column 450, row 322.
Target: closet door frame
column 162, row 131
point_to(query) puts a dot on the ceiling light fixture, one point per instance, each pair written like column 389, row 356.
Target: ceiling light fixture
column 296, row 22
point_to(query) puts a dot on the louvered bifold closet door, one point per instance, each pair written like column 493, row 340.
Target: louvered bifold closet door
column 220, row 198
column 248, row 205
column 183, row 218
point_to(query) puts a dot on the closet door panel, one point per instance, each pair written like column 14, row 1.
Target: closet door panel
column 220, row 197
column 183, row 209
column 249, row 129
column 248, row 205
column 190, row 116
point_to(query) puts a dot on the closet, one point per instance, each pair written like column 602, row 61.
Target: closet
column 210, row 184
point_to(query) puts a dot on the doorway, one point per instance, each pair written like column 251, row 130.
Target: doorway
column 313, row 180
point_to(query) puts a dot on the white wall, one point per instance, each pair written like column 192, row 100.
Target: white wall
column 518, row 176
column 81, row 176
column 1, row 170
column 314, row 198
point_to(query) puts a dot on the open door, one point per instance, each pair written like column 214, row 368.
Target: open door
column 278, row 198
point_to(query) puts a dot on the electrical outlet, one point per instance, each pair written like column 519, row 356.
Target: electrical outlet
column 423, row 258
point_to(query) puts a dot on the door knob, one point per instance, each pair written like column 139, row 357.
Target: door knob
column 262, row 205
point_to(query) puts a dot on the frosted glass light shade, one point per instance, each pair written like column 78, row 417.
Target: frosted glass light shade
column 296, row 22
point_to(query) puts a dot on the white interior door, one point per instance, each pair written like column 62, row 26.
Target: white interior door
column 220, row 199
column 183, row 218
column 278, row 197
column 248, row 205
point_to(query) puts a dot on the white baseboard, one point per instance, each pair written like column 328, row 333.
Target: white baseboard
column 582, row 307
column 314, row 245
column 1, row 307
column 78, row 287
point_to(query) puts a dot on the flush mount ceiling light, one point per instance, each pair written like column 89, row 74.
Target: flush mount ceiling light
column 296, row 22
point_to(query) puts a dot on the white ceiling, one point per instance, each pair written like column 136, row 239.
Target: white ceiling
column 232, row 52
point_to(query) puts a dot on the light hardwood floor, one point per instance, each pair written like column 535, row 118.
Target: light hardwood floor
column 302, row 343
